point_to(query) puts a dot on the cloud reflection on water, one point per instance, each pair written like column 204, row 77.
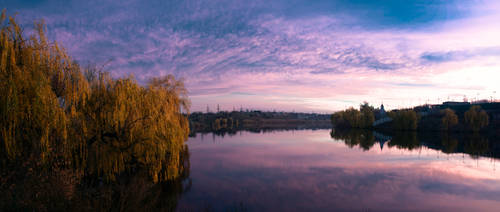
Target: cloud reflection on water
column 308, row 171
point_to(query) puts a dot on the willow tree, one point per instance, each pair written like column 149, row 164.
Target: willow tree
column 404, row 119
column 33, row 100
column 367, row 115
column 449, row 119
column 353, row 118
column 476, row 118
column 52, row 109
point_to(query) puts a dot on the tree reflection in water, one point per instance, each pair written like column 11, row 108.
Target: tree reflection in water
column 405, row 140
column 449, row 143
column 355, row 137
column 474, row 144
column 33, row 186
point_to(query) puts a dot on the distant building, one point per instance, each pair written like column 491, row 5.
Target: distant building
column 450, row 103
column 483, row 101
column 380, row 112
column 382, row 109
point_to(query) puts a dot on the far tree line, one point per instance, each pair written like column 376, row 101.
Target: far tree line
column 474, row 119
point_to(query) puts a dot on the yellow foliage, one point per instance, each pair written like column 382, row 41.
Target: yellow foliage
column 353, row 118
column 404, row 119
column 50, row 109
column 476, row 118
column 449, row 119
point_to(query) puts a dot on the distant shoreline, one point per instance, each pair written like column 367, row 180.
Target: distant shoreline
column 256, row 120
column 451, row 117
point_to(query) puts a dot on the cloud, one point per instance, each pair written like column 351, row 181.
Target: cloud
column 326, row 71
column 336, row 53
column 242, row 93
column 413, row 85
column 439, row 57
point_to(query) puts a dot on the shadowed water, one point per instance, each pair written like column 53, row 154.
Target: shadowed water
column 324, row 170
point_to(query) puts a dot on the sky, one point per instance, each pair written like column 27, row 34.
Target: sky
column 308, row 56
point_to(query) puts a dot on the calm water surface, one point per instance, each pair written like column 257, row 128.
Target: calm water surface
column 310, row 171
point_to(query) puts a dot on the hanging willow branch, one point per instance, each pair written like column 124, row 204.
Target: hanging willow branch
column 52, row 108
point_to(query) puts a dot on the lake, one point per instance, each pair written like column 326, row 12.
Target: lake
column 324, row 170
